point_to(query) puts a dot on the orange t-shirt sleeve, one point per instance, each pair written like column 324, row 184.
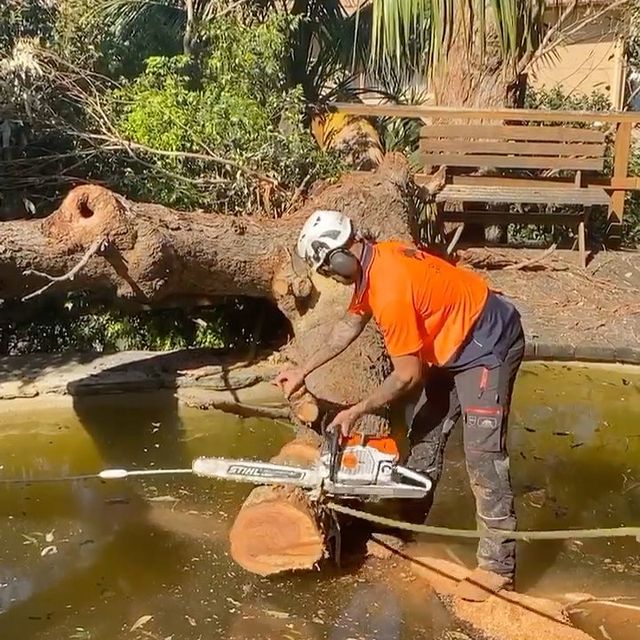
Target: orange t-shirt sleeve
column 359, row 307
column 399, row 325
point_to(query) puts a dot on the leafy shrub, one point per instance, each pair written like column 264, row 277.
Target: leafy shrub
column 76, row 324
column 231, row 101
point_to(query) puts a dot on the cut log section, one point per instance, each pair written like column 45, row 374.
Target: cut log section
column 277, row 528
column 305, row 406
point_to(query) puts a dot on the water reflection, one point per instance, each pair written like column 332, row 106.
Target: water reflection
column 373, row 611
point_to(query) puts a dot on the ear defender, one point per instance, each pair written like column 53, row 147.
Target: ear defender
column 343, row 263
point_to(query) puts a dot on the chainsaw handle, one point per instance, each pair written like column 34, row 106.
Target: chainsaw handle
column 335, row 440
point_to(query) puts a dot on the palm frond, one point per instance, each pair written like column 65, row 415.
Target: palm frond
column 129, row 18
column 418, row 34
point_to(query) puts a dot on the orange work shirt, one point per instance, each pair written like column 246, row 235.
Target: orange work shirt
column 421, row 303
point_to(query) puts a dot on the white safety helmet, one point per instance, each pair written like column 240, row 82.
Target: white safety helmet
column 323, row 232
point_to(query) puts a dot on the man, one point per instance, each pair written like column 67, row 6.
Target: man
column 445, row 330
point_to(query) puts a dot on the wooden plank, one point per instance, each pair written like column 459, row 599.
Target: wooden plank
column 621, row 156
column 461, row 113
column 507, row 217
column 598, row 182
column 512, row 162
column 469, row 147
column 502, row 181
column 539, row 195
column 507, row 132
column 628, row 183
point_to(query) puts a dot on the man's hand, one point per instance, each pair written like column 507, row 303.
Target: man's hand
column 290, row 380
column 345, row 420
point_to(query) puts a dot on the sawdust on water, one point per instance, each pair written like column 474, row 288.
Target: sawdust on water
column 575, row 451
column 148, row 559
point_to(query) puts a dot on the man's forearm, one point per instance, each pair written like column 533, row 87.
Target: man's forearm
column 392, row 388
column 343, row 334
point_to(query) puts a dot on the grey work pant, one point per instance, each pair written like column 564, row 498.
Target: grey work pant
column 483, row 397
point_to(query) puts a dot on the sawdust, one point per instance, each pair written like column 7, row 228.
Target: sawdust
column 617, row 620
column 506, row 616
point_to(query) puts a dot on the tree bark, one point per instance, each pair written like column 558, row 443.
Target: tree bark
column 472, row 75
column 151, row 255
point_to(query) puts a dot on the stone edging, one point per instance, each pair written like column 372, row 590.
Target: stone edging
column 593, row 352
column 130, row 372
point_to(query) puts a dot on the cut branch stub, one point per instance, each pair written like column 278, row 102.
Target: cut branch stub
column 89, row 213
column 305, row 406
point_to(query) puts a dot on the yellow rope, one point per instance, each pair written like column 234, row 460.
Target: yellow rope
column 559, row 534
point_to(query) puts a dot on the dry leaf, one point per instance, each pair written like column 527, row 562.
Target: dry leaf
column 50, row 550
column 276, row 614
column 141, row 621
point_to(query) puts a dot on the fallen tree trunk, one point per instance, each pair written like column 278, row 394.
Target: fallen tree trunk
column 279, row 528
column 152, row 256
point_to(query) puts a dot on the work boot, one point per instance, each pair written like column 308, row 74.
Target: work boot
column 480, row 584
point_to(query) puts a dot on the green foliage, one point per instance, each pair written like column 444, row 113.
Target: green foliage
column 230, row 105
column 555, row 98
column 25, row 19
column 232, row 102
column 77, row 324
column 631, row 221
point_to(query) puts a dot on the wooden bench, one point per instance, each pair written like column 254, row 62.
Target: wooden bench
column 468, row 149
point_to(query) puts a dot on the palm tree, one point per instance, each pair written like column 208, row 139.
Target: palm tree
column 474, row 52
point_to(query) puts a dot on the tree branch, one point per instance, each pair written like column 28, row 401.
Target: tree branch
column 548, row 37
column 208, row 157
column 99, row 245
column 531, row 261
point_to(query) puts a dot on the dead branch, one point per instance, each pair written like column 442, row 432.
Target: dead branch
column 297, row 194
column 548, row 38
column 600, row 266
column 128, row 145
column 99, row 245
column 593, row 17
column 492, row 260
column 455, row 239
column 535, row 260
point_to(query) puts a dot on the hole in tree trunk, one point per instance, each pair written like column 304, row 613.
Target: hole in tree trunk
column 84, row 209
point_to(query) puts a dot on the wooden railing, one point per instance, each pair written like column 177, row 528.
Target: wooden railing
column 622, row 124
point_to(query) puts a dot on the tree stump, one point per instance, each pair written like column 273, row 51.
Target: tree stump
column 278, row 528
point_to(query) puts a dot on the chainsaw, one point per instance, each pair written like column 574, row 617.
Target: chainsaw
column 364, row 468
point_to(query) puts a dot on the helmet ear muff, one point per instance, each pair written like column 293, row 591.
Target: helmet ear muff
column 343, row 263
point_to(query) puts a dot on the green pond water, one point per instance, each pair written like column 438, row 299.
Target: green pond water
column 88, row 559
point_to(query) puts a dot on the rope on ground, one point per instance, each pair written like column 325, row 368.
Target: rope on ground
column 559, row 534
